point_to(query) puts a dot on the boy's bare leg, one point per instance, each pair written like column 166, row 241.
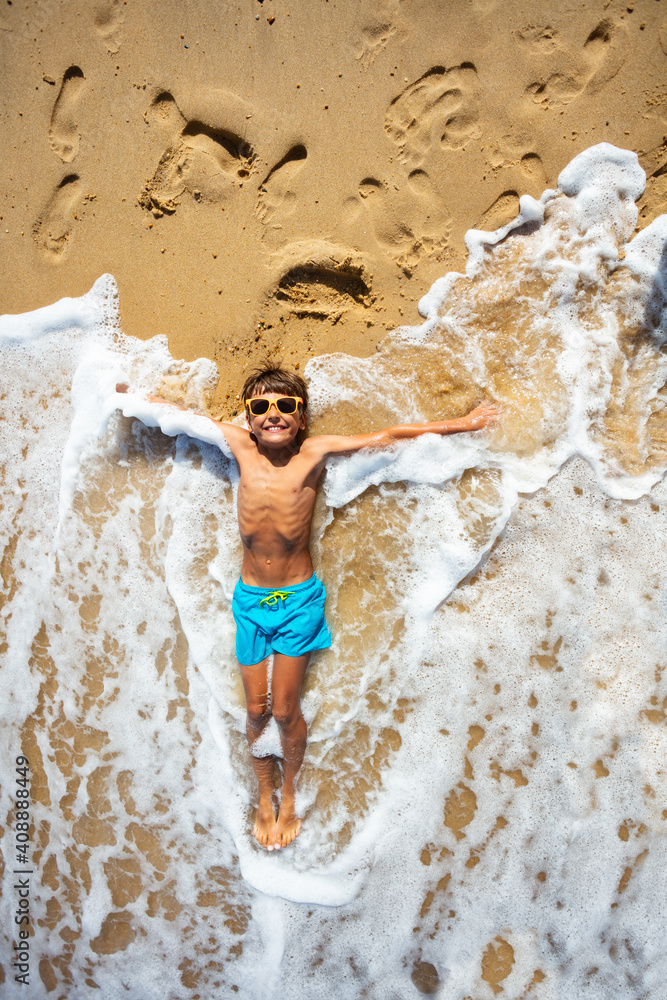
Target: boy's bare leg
column 288, row 674
column 255, row 682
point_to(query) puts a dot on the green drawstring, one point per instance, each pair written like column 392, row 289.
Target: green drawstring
column 272, row 599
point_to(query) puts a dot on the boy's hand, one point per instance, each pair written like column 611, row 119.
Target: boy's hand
column 482, row 415
column 124, row 387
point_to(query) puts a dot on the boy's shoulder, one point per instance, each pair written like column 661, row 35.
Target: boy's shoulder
column 315, row 447
column 238, row 438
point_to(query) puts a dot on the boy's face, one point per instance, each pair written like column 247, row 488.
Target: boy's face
column 274, row 429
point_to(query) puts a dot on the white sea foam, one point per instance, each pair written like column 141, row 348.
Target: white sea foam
column 527, row 712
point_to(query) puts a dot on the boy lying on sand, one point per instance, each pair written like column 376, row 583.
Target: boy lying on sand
column 279, row 602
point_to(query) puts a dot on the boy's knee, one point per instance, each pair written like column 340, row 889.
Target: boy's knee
column 258, row 712
column 286, row 713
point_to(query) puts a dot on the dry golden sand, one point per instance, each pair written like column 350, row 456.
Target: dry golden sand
column 289, row 178
column 286, row 179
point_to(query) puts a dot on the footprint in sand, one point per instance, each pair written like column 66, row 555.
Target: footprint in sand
column 383, row 23
column 652, row 202
column 276, row 195
column 566, row 77
column 64, row 134
column 503, row 210
column 208, row 164
column 52, row 231
column 539, row 41
column 108, row 17
column 533, row 169
column 409, row 222
column 315, row 280
column 439, row 109
column 374, row 39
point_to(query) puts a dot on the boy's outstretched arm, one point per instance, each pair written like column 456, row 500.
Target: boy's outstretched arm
column 235, row 436
column 478, row 418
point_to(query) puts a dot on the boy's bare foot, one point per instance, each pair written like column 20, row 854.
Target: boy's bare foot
column 287, row 826
column 265, row 822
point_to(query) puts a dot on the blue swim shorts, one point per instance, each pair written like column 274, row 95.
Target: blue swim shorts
column 289, row 620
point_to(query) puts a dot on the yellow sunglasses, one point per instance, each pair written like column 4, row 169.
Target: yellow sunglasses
column 259, row 405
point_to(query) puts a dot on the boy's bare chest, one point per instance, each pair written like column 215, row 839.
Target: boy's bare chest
column 265, row 488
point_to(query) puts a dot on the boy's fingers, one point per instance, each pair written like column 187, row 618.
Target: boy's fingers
column 485, row 413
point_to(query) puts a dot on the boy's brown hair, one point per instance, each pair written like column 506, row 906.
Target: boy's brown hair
column 270, row 378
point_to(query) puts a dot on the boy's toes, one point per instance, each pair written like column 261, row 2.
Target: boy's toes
column 265, row 822
column 263, row 836
column 289, row 832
